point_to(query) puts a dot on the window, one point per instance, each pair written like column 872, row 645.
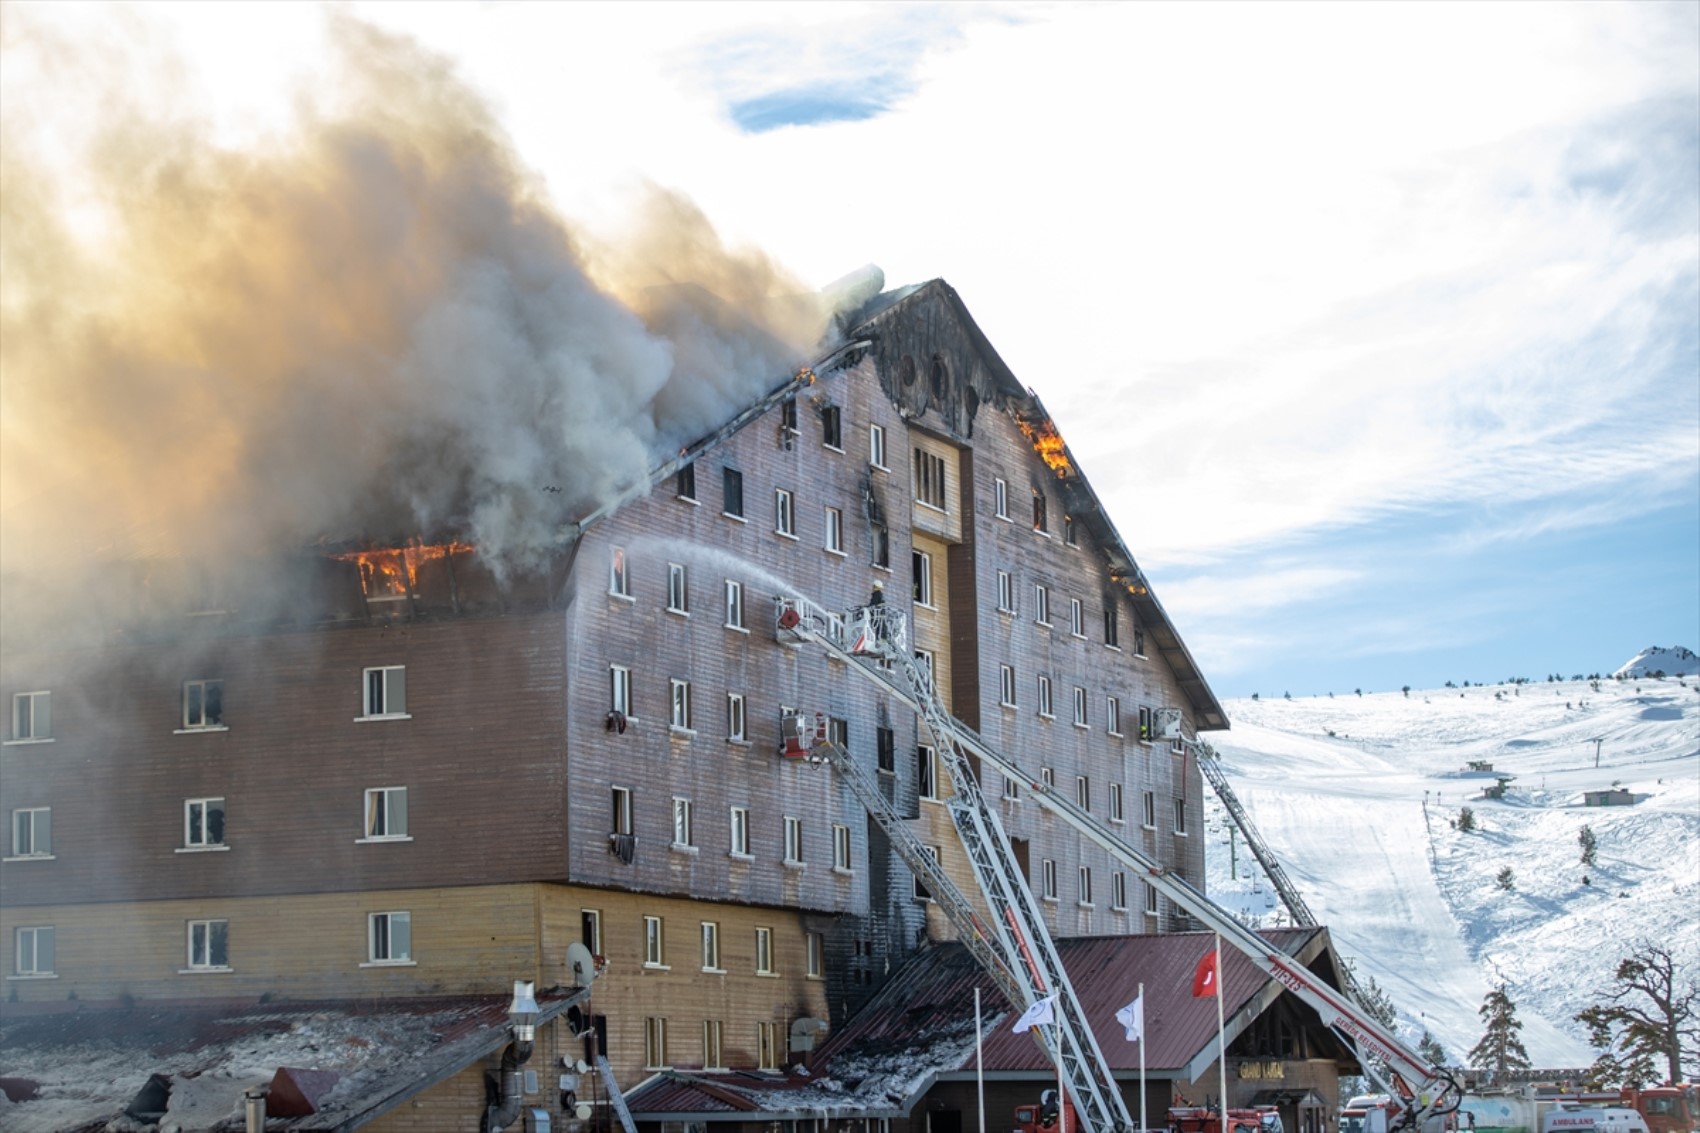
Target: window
column 1118, row 891
column 1039, row 522
column 1113, row 716
column 921, row 570
column 209, row 946
column 1048, row 879
column 32, row 716
column 1000, row 498
column 764, row 952
column 1085, row 885
column 1080, row 708
column 881, row 545
column 735, row 718
column 590, row 930
column 740, row 832
column 924, row 658
column 712, row 1059
column 32, row 951
column 784, row 515
column 1116, row 814
column 32, row 832
column 814, row 949
column 1076, row 617
column 834, row 530
column 838, row 731
column 619, row 581
column 832, row 427
column 622, row 814
column 1069, row 528
column 767, row 1046
column 1083, row 792
column 788, row 415
column 926, row 773
column 654, row 943
column 1010, row 791
column 922, row 893
column 840, row 847
column 885, row 747
column 710, row 946
column 685, row 483
column 1112, row 629
column 1150, row 900
column 732, row 493
column 1006, row 685
column 1147, row 724
column 682, row 822
column 876, row 446
column 386, row 812
column 203, row 823
column 620, row 689
column 929, row 479
column 678, row 589
column 1138, row 642
column 1180, row 816
column 1048, row 776
column 389, row 938
column 655, row 1043
column 734, row 604
column 1006, row 592
column 793, row 841
column 1045, row 697
column 680, row 699
column 1150, row 810
column 1042, row 604
column 203, row 704
column 386, row 691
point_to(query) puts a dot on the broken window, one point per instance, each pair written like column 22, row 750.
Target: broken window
column 832, row 434
column 386, row 813
column 619, row 582
column 203, row 823
column 203, row 704
column 882, row 546
column 1039, row 521
column 386, row 691
column 389, row 938
column 685, row 483
column 732, row 493
column 1111, row 628
column 926, row 773
column 788, row 415
column 885, row 745
column 1180, row 816
column 209, row 945
column 784, row 515
column 922, row 893
column 921, row 584
column 929, row 479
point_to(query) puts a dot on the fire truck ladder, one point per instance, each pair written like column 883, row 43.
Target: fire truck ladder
column 1026, row 955
column 1290, row 897
column 1426, row 1092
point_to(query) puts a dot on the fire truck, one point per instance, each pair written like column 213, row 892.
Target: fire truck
column 1012, row 943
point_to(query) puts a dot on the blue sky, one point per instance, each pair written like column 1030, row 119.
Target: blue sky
column 1375, row 326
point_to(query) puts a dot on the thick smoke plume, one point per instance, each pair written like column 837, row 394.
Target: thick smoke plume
column 372, row 327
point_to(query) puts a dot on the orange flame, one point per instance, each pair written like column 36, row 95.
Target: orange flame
column 1048, row 443
column 393, row 572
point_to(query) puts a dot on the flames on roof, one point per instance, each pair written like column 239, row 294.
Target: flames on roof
column 393, row 572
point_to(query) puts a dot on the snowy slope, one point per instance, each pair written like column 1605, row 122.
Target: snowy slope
column 1358, row 797
column 1672, row 662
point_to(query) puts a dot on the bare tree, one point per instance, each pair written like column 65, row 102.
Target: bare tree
column 1646, row 1018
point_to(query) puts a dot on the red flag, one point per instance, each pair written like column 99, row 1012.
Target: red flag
column 1206, row 979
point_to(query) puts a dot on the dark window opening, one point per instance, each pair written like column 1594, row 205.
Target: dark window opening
column 882, row 546
column 685, row 484
column 1111, row 626
column 788, row 415
column 832, row 427
column 886, row 742
column 938, row 377
column 906, row 370
column 732, row 492
column 1040, row 523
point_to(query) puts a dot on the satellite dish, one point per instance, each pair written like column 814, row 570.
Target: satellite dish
column 582, row 1111
column 581, row 965
column 582, row 1067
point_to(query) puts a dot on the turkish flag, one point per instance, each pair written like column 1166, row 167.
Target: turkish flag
column 1207, row 978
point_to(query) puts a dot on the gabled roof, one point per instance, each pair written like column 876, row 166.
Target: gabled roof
column 90, row 1062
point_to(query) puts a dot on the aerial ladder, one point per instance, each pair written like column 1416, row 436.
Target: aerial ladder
column 872, row 643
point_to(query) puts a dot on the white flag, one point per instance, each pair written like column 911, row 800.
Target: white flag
column 1132, row 1019
column 1037, row 1015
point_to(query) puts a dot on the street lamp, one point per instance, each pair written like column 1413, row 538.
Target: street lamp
column 507, row 1098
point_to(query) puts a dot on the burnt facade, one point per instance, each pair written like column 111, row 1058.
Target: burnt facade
column 417, row 779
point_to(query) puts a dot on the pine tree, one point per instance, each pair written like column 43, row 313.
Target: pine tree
column 1588, row 843
column 1506, row 880
column 1429, row 1047
column 1466, row 820
column 1500, row 1049
column 1648, row 1017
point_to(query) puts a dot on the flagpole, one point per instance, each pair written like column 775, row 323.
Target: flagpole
column 1062, row 1095
column 979, row 1061
column 1221, row 1039
column 1142, row 1110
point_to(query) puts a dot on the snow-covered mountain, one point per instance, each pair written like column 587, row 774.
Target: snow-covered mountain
column 1671, row 662
column 1359, row 797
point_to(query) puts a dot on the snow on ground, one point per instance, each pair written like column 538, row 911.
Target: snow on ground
column 1359, row 796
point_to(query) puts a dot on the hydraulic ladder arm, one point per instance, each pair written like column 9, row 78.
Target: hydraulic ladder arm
column 1427, row 1092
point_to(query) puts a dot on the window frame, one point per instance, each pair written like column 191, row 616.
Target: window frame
column 202, row 686
column 793, row 841
column 1112, row 627
column 619, row 573
column 885, row 750
column 919, row 889
column 1180, row 816
column 685, row 483
column 679, row 706
column 814, row 955
column 737, row 719
column 841, row 848
column 1083, row 793
column 834, row 537
column 1077, row 618
column 1118, row 891
column 1041, row 514
column 767, row 1046
column 711, row 948
column 683, row 834
column 382, row 695
column 655, row 1042
column 205, row 842
column 620, row 816
column 1006, row 592
column 1151, row 895
column 732, row 493
column 1083, row 888
column 208, row 927
column 38, row 846
column 39, row 726
column 1148, row 810
column 713, row 1045
column 784, row 513
column 1048, row 879
column 926, row 773
column 1000, row 499
column 1047, row 709
column 654, row 942
column 734, row 595
column 620, row 692
column 832, row 427
column 373, row 960
column 738, row 828
column 35, row 970
column 876, row 447
column 921, row 578
column 384, row 816
column 931, row 486
column 1006, row 686
column 1080, row 720
column 1113, row 715
column 765, row 962
column 1042, row 605
column 1117, row 812
column 678, row 589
